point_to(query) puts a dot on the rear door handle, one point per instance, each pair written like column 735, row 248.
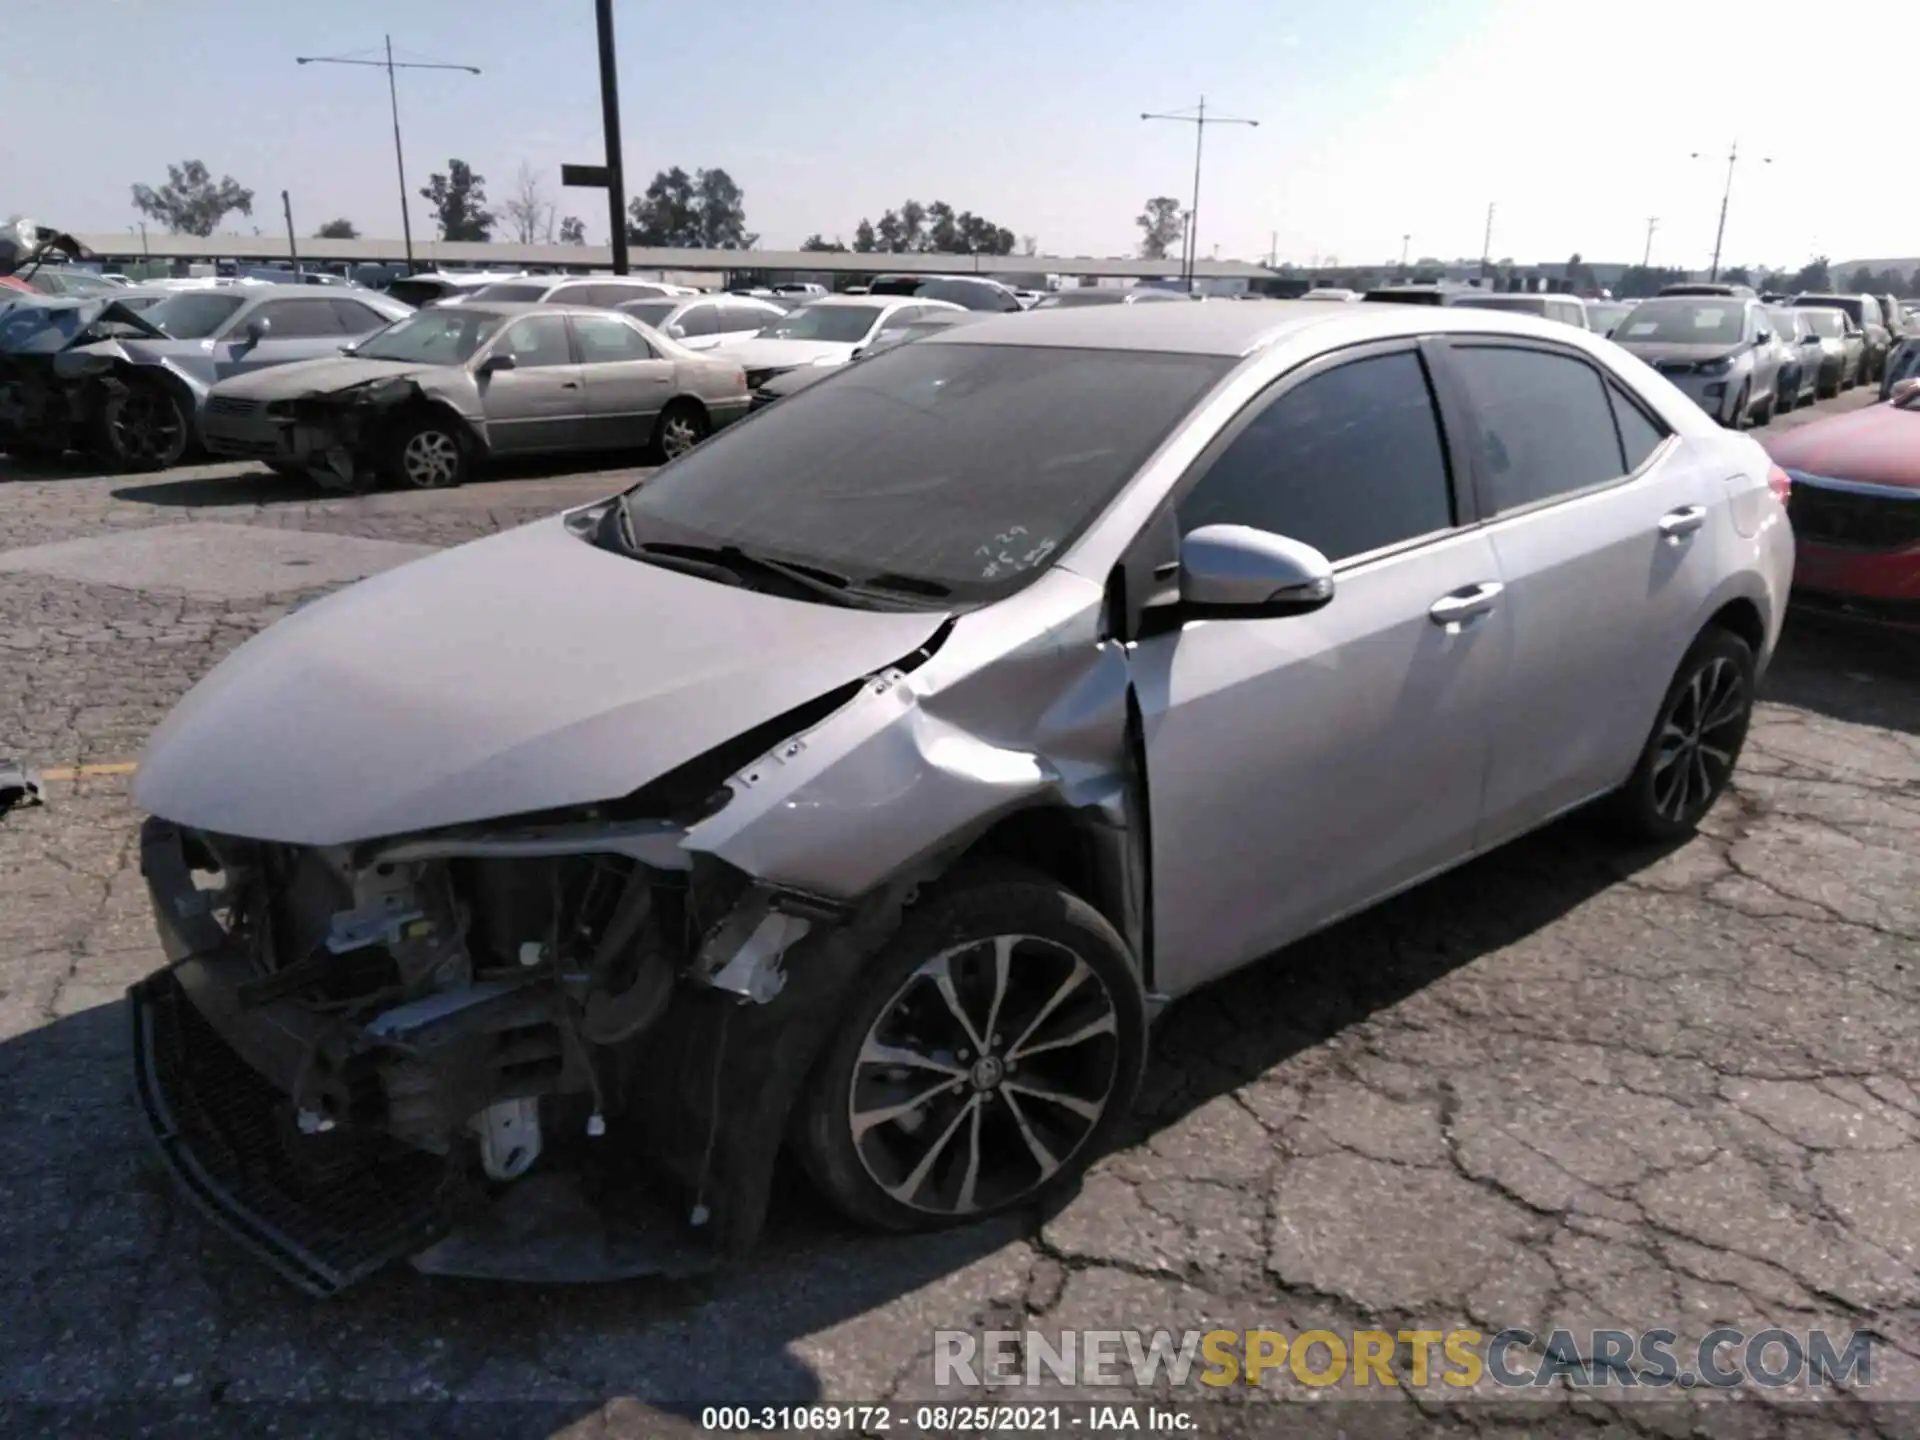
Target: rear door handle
column 1676, row 524
column 1468, row 603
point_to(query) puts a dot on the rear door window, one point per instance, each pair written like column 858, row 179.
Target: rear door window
column 697, row 320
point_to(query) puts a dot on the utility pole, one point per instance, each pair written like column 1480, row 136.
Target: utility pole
column 1273, row 249
column 393, row 96
column 1720, row 234
column 610, row 123
column 1405, row 240
column 293, row 246
column 1486, row 245
column 1190, row 252
column 1646, row 255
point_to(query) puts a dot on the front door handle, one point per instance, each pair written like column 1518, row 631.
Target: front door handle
column 1467, row 603
column 1677, row 524
column 569, row 384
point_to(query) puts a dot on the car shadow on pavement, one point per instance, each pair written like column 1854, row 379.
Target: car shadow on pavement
column 1861, row 674
column 117, row 1290
column 264, row 487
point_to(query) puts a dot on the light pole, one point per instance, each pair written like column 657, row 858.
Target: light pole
column 1720, row 234
column 1199, row 119
column 393, row 96
column 1405, row 240
column 1646, row 255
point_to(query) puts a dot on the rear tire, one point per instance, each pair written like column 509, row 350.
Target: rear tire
column 1689, row 757
column 682, row 425
column 1764, row 415
column 993, row 1113
column 425, row 452
column 1738, row 419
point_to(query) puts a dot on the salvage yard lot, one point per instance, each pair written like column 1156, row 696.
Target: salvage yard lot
column 1564, row 1086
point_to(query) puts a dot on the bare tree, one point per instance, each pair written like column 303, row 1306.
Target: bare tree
column 1029, row 244
column 529, row 212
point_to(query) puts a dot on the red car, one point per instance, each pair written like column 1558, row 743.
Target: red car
column 1855, row 507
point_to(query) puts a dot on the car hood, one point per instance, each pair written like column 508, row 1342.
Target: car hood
column 1879, row 445
column 769, row 354
column 324, row 376
column 525, row 672
column 1653, row 351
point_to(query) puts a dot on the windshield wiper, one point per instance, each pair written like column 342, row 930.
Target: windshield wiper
column 743, row 566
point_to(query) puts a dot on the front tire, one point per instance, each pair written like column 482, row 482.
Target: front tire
column 426, row 453
column 991, row 1053
column 1738, row 419
column 1689, row 758
column 1764, row 415
column 144, row 425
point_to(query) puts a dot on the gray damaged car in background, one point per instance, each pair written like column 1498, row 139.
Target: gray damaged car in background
column 860, row 783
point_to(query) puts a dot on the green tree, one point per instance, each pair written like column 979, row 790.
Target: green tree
column 932, row 229
column 192, row 202
column 1861, row 279
column 573, row 230
column 459, row 200
column 337, row 230
column 865, row 242
column 1813, row 276
column 701, row 211
column 821, row 243
column 1738, row 275
column 1161, row 225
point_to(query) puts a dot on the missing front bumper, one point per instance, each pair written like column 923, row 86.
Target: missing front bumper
column 323, row 1220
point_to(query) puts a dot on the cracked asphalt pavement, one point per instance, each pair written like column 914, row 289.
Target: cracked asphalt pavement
column 1567, row 1086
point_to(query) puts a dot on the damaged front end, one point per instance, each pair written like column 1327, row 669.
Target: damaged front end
column 63, row 374
column 340, row 438
column 353, row 1048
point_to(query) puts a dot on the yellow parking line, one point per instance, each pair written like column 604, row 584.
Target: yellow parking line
column 76, row 772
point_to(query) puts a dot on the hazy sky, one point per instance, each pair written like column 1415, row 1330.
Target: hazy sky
column 1379, row 118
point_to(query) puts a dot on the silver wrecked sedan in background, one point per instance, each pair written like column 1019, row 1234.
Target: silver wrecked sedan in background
column 421, row 403
column 865, row 778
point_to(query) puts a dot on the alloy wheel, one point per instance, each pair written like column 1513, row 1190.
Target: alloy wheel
column 148, row 428
column 679, row 434
column 431, row 458
column 984, row 1074
column 1699, row 741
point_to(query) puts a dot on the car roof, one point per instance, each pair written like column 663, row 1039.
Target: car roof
column 864, row 302
column 1234, row 330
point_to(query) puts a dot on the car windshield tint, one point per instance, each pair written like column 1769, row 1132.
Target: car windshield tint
column 1782, row 323
column 1602, row 318
column 1684, row 322
column 967, row 467
column 843, row 324
column 192, row 316
column 1826, row 322
column 434, row 337
column 510, row 292
column 1079, row 297
column 1838, row 306
column 650, row 312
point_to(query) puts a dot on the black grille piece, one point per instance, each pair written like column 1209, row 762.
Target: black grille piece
column 324, row 1211
column 231, row 405
column 1853, row 520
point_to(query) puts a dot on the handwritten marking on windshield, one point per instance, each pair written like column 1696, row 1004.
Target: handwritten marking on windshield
column 1001, row 557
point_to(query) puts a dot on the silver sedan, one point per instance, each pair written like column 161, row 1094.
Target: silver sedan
column 863, row 781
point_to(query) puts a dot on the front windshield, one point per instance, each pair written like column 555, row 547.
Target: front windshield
column 651, row 312
column 192, row 314
column 434, row 337
column 1783, row 324
column 1825, row 323
column 841, row 324
column 1685, row 322
column 965, row 467
column 25, row 327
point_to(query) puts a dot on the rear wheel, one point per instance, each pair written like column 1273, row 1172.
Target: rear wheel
column 1690, row 756
column 425, row 453
column 993, row 1051
column 682, row 426
column 1738, row 419
column 145, row 426
column 1764, row 415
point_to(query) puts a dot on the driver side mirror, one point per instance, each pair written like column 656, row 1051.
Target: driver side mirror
column 352, row 347
column 1761, row 337
column 1237, row 572
column 676, row 331
column 258, row 329
column 501, row 361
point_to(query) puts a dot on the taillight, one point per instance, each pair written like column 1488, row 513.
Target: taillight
column 1780, row 484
